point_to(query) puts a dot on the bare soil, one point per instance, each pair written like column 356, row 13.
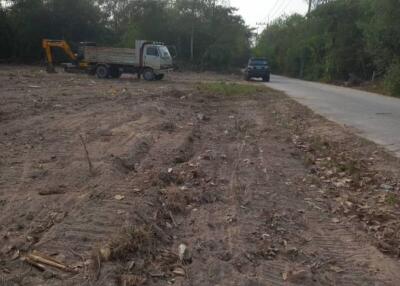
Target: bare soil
column 259, row 190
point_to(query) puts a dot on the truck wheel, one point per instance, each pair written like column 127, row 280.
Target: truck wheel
column 102, row 72
column 266, row 78
column 148, row 74
column 159, row 77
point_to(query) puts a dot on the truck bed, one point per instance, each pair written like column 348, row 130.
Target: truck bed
column 122, row 56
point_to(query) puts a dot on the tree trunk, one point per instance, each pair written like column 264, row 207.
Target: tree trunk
column 192, row 44
column 302, row 60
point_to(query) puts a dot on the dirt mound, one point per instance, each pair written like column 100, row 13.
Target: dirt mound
column 129, row 161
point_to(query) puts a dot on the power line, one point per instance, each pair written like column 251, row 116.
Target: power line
column 273, row 8
column 284, row 6
column 279, row 9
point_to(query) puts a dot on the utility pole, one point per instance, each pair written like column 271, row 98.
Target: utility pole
column 192, row 32
column 192, row 43
column 303, row 56
column 261, row 25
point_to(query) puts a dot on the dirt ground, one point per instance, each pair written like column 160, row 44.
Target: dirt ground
column 185, row 184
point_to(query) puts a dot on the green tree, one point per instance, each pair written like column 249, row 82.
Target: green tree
column 327, row 44
column 6, row 38
column 207, row 33
column 382, row 31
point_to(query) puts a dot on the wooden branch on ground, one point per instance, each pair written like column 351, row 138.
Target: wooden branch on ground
column 87, row 154
column 40, row 261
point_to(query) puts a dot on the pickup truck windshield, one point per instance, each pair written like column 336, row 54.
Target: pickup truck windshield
column 164, row 52
column 258, row 62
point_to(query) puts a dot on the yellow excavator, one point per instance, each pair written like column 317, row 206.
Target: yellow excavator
column 76, row 63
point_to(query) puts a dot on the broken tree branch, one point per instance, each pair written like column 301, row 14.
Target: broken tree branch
column 40, row 260
column 87, row 154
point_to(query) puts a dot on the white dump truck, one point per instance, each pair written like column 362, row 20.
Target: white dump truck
column 148, row 59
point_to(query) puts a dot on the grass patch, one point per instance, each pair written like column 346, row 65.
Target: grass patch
column 229, row 88
column 392, row 79
column 391, row 199
column 132, row 240
column 375, row 87
column 176, row 199
column 131, row 280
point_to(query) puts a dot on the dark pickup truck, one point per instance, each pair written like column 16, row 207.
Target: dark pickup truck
column 257, row 68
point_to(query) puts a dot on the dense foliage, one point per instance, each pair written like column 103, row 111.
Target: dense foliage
column 205, row 32
column 338, row 40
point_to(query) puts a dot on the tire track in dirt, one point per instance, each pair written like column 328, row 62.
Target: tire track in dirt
column 92, row 214
column 93, row 220
column 226, row 231
column 360, row 262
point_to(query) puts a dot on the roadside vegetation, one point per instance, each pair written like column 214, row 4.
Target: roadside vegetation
column 223, row 88
column 207, row 34
column 338, row 41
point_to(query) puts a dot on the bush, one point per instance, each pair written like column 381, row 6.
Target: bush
column 392, row 79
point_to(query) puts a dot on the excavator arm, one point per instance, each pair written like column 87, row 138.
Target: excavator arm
column 48, row 44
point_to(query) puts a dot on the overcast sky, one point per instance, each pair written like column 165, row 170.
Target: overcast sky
column 258, row 11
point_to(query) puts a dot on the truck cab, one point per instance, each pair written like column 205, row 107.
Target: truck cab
column 157, row 57
column 154, row 58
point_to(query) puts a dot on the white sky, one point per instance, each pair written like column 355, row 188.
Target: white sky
column 258, row 11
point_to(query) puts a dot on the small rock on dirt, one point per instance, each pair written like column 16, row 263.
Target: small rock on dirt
column 386, row 187
column 202, row 117
column 105, row 253
column 296, row 276
column 179, row 271
column 119, row 197
column 184, row 253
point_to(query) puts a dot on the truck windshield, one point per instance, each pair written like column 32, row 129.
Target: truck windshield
column 258, row 62
column 164, row 52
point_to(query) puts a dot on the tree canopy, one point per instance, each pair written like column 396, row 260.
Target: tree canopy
column 337, row 40
column 207, row 33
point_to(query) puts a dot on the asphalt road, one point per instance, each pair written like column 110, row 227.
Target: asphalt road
column 373, row 116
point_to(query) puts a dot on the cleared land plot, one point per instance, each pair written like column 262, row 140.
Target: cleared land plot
column 260, row 190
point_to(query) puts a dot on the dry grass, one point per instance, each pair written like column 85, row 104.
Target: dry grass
column 176, row 199
column 224, row 88
column 131, row 280
column 132, row 240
